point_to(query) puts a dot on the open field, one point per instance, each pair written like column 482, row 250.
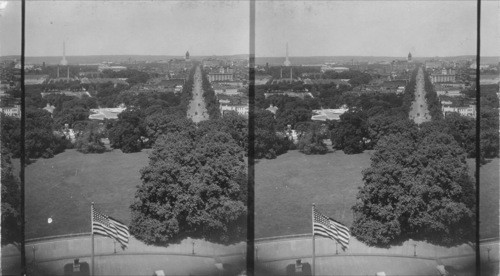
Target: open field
column 286, row 187
column 63, row 187
column 489, row 196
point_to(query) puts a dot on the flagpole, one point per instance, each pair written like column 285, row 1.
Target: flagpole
column 313, row 244
column 92, row 234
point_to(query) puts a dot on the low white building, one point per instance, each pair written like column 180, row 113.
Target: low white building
column 14, row 111
column 240, row 109
column 106, row 113
column 328, row 114
column 467, row 111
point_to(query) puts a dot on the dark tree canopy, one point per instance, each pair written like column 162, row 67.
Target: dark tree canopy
column 351, row 131
column 89, row 140
column 193, row 187
column 129, row 131
column 11, row 134
column 417, row 190
column 40, row 139
column 267, row 144
column 311, row 140
column 11, row 202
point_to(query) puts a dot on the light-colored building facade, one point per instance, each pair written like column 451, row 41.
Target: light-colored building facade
column 467, row 111
column 14, row 111
column 220, row 77
column 240, row 109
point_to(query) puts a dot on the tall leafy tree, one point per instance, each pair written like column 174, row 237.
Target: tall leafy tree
column 11, row 202
column 40, row 139
column 416, row 189
column 89, row 140
column 267, row 144
column 193, row 187
column 311, row 142
column 129, row 132
column 351, row 132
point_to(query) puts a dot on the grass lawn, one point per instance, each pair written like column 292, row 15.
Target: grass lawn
column 63, row 187
column 286, row 187
column 489, row 195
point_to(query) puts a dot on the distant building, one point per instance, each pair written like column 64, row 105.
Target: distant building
column 446, row 75
column 106, row 113
column 220, row 77
column 187, row 56
column 240, row 109
column 225, row 89
column 35, row 79
column 211, row 62
column 14, row 111
column 78, row 94
column 409, row 57
column 433, row 64
column 103, row 67
column 301, row 95
column 328, row 114
column 467, row 111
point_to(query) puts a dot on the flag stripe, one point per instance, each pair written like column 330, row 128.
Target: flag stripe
column 325, row 226
column 109, row 227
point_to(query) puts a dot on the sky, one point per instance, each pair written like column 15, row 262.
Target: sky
column 312, row 28
column 135, row 27
column 374, row 28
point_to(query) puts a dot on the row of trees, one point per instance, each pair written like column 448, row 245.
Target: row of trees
column 433, row 102
column 211, row 102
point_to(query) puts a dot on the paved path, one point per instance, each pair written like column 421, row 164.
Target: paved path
column 197, row 110
column 419, row 111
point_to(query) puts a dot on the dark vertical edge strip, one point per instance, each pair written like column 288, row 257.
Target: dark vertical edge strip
column 251, row 148
column 23, row 157
column 478, row 136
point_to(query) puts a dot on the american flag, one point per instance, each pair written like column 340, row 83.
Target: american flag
column 107, row 226
column 327, row 227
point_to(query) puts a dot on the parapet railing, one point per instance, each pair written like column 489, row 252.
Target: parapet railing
column 258, row 242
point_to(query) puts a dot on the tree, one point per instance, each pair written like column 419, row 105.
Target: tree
column 267, row 144
column 89, row 141
column 158, row 124
column 232, row 123
column 381, row 125
column 11, row 134
column 351, row 132
column 40, row 139
column 417, row 190
column 193, row 187
column 311, row 142
column 11, row 202
column 129, row 131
